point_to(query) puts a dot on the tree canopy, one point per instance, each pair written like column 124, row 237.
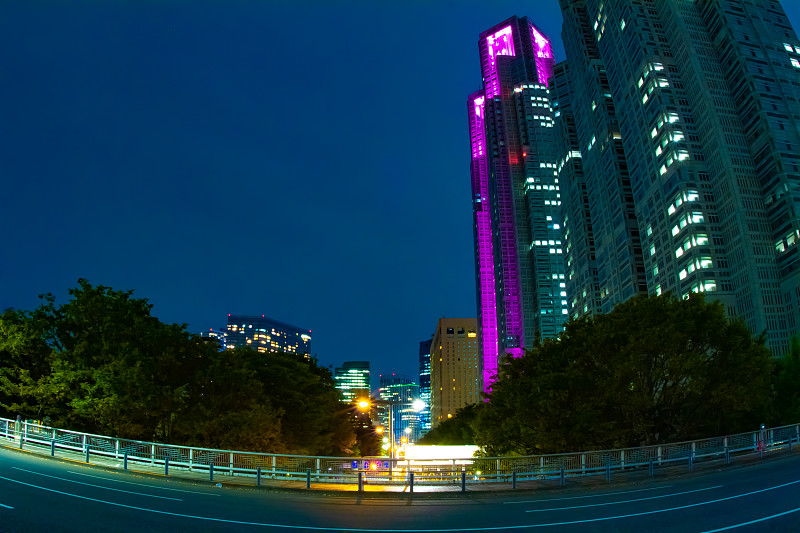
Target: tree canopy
column 102, row 363
column 654, row 370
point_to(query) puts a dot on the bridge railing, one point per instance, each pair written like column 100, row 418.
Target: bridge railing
column 472, row 471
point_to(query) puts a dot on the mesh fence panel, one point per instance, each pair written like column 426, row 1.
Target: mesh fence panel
column 385, row 471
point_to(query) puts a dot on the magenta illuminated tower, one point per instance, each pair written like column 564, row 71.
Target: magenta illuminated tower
column 519, row 262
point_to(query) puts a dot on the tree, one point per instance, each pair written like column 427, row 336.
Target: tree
column 102, row 363
column 654, row 370
column 454, row 431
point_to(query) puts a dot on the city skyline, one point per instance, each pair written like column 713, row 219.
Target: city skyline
column 213, row 171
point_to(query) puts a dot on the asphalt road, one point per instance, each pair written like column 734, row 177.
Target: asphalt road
column 41, row 494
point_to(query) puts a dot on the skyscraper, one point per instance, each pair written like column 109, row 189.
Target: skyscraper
column 687, row 124
column 267, row 335
column 455, row 367
column 516, row 200
column 352, row 379
column 402, row 391
column 425, row 385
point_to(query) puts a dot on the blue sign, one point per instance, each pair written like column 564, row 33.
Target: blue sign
column 355, row 464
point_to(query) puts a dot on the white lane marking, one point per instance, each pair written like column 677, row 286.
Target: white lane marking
column 142, row 484
column 318, row 528
column 621, row 501
column 589, row 496
column 6, row 506
column 97, row 486
column 741, row 524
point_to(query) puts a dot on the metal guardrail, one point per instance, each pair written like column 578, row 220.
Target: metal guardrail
column 472, row 471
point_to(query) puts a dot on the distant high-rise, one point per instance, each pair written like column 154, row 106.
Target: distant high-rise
column 267, row 335
column 519, row 260
column 217, row 335
column 455, row 367
column 425, row 385
column 402, row 391
column 352, row 379
column 679, row 131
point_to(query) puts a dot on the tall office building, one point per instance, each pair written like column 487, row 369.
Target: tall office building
column 402, row 391
column 519, row 261
column 353, row 380
column 425, row 385
column 456, row 379
column 267, row 335
column 687, row 118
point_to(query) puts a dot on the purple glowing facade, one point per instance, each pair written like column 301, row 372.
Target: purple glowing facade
column 499, row 43
column 544, row 55
column 511, row 53
column 484, row 253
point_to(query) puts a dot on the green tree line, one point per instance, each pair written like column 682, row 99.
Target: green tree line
column 102, row 363
column 654, row 370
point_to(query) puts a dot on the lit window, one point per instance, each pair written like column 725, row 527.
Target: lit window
column 788, row 47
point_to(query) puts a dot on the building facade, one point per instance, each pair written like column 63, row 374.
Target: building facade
column 267, row 335
column 687, row 128
column 352, row 379
column 456, row 378
column 519, row 262
column 401, row 391
column 425, row 385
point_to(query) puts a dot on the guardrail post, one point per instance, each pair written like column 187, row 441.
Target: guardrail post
column 360, row 481
column 152, row 454
column 622, row 458
column 87, row 453
column 608, row 471
column 166, row 466
column 513, row 480
column 562, row 481
column 116, row 449
column 583, row 464
column 411, row 481
column 191, row 456
column 650, row 467
column 258, row 476
column 308, row 478
column 691, row 460
column 463, row 481
column 230, row 462
column 318, row 469
column 53, row 448
column 211, row 471
column 125, row 461
column 727, row 456
column 659, row 456
column 273, row 467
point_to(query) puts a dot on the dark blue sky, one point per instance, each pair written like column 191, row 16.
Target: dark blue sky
column 308, row 161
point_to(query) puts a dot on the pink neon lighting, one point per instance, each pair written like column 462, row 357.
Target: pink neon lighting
column 487, row 298
column 544, row 54
column 500, row 43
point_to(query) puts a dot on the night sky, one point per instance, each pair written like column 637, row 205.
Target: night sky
column 304, row 160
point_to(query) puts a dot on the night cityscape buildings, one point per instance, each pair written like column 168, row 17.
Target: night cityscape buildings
column 519, row 262
column 353, row 380
column 456, row 379
column 401, row 391
column 425, row 385
column 677, row 134
column 267, row 335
